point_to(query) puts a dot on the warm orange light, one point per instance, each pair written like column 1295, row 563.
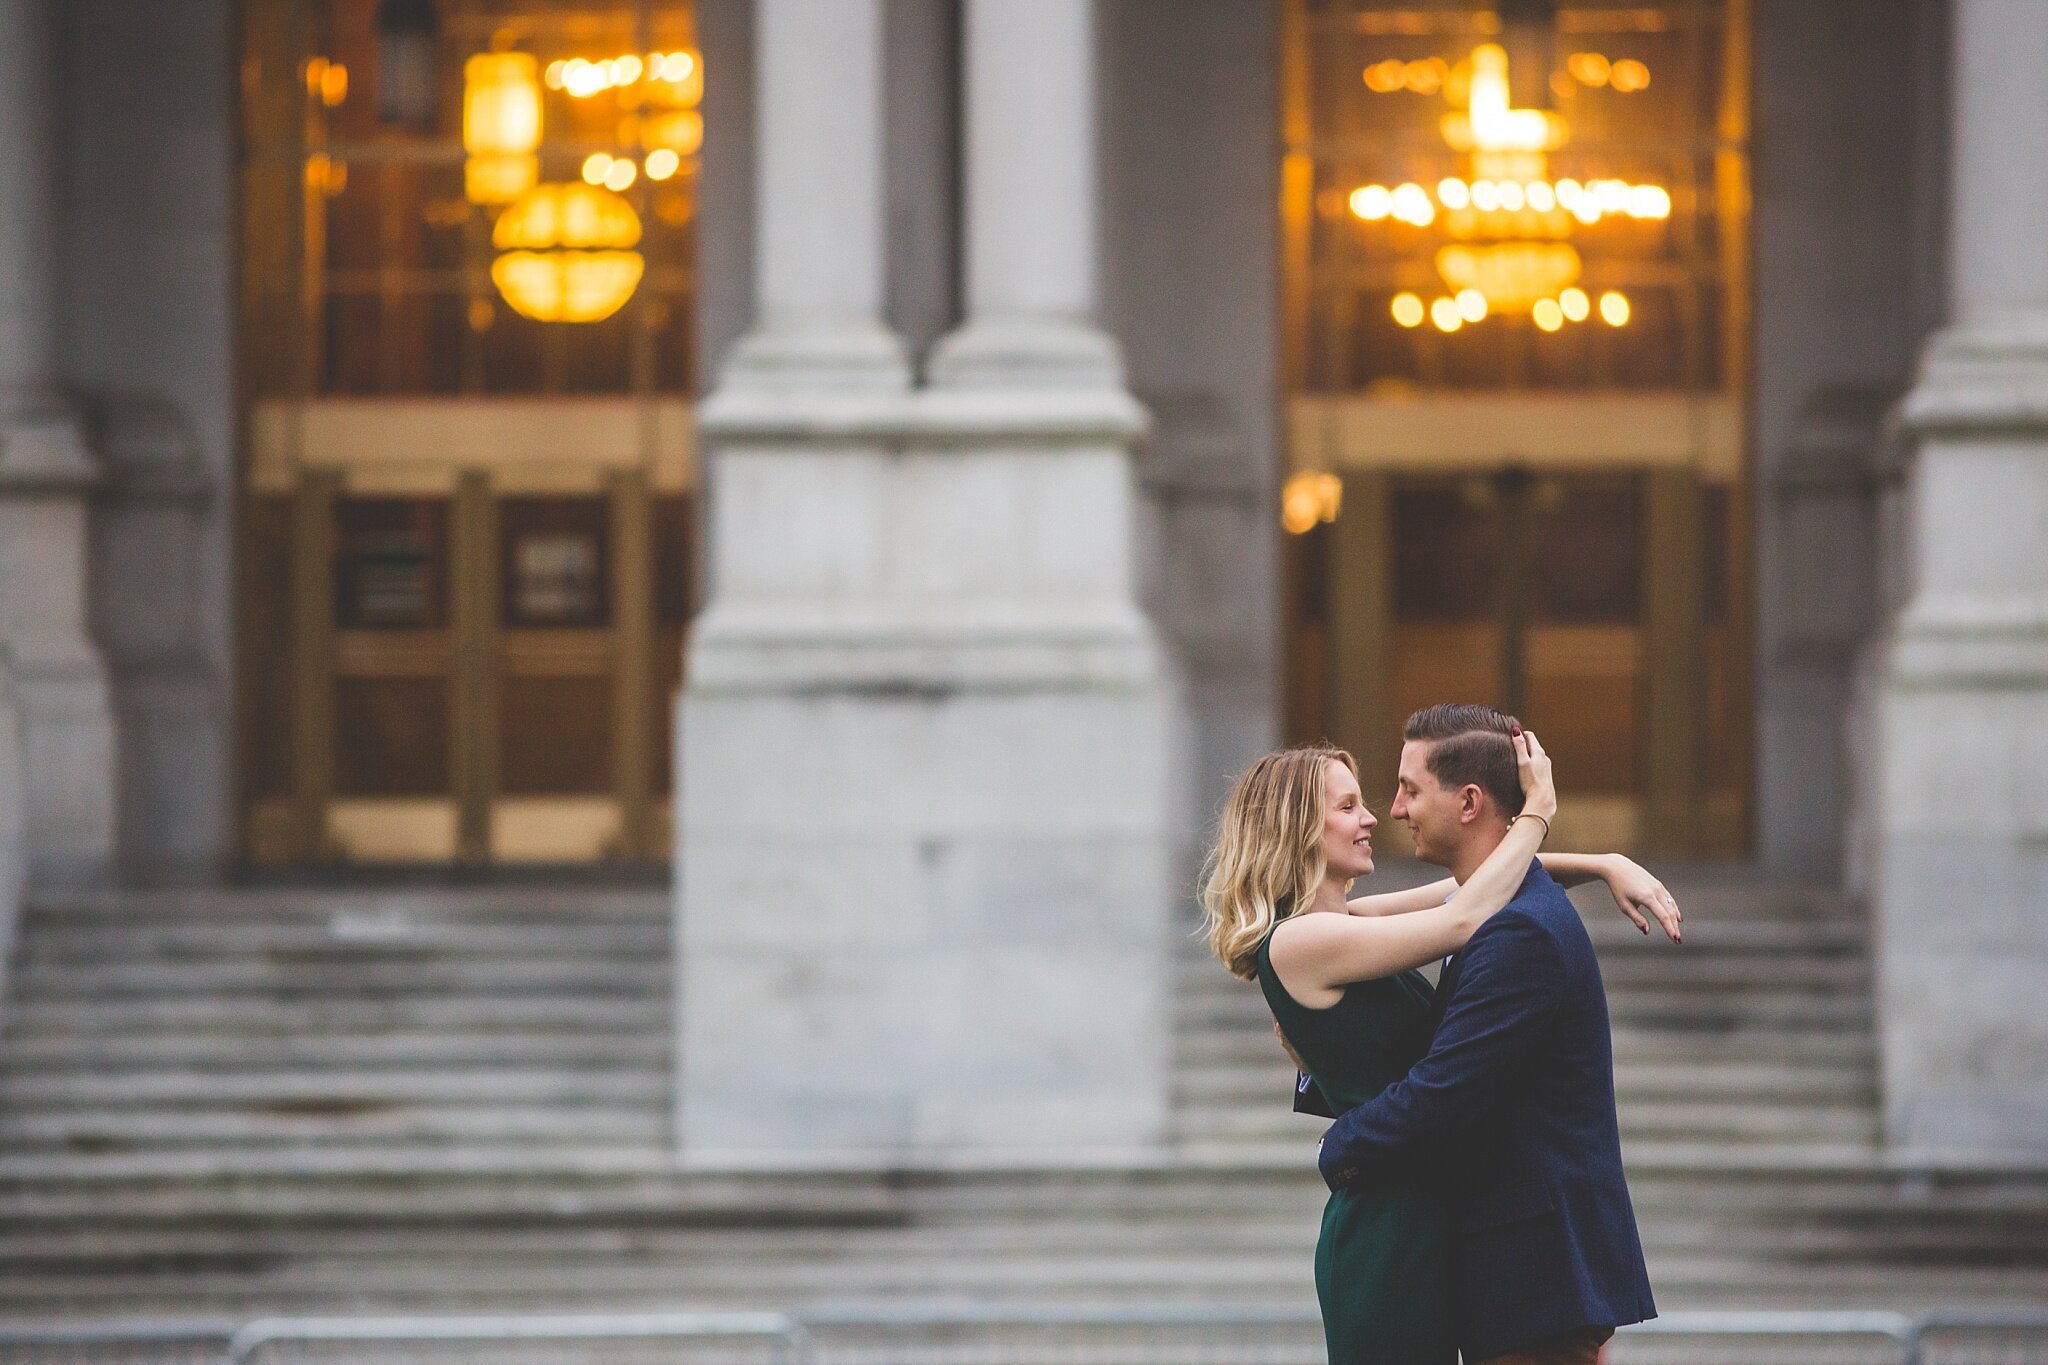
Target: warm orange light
column 1371, row 203
column 679, row 130
column 1408, row 310
column 1546, row 313
column 675, row 79
column 595, row 167
column 662, row 164
column 1427, row 76
column 1309, row 499
column 1588, row 68
column 1614, row 309
column 1471, row 305
column 1511, row 275
column 1575, row 305
column 1444, row 313
column 326, row 81
column 1384, row 78
column 1453, row 193
column 620, row 174
column 1490, row 125
column 501, row 121
column 566, row 256
column 1629, row 76
column 1411, row 204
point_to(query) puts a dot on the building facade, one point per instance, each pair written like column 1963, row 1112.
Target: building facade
column 893, row 460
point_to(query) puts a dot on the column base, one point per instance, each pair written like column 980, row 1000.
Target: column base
column 1026, row 353
column 1959, row 700
column 927, row 797
column 61, row 696
column 858, row 356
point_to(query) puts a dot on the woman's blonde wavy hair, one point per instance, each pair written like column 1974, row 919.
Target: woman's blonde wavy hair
column 1269, row 851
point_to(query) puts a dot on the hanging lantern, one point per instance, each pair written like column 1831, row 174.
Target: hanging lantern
column 567, row 255
column 500, row 125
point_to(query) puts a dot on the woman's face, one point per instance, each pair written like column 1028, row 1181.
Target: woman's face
column 1347, row 824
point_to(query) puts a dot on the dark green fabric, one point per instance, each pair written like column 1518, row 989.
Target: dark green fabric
column 1383, row 1268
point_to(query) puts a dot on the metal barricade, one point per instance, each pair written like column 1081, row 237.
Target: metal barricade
column 986, row 1334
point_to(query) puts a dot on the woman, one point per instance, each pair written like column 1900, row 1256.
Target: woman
column 1295, row 833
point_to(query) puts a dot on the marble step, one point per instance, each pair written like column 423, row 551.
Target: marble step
column 204, row 1054
column 353, row 977
column 1638, row 1043
column 1632, row 1007
column 228, row 1017
column 349, row 1119
column 144, row 943
column 1702, row 1120
column 171, row 1091
column 1778, row 1082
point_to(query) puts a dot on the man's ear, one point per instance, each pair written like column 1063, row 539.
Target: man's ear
column 1471, row 803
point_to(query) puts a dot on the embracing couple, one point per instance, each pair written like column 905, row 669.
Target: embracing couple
column 1477, row 1203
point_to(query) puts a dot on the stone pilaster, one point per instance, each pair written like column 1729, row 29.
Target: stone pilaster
column 1959, row 880
column 924, row 737
column 46, row 477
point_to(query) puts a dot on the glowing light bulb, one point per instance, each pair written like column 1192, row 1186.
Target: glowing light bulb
column 620, row 174
column 1575, row 304
column 626, row 70
column 552, row 78
column 1408, row 310
column 1542, row 198
column 1511, row 196
column 1427, row 76
column 1372, row 202
column 1384, row 78
column 1589, row 68
column 582, row 79
column 1649, row 201
column 1453, row 193
column 1629, row 75
column 662, row 163
column 1412, row 205
column 1614, row 308
column 1444, row 313
column 1485, row 196
column 1546, row 313
column 1471, row 305
column 595, row 167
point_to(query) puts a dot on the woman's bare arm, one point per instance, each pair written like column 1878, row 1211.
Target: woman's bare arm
column 1405, row 902
column 1323, row 951
column 1636, row 892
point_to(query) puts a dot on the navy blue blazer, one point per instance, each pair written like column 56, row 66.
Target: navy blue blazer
column 1514, row 1105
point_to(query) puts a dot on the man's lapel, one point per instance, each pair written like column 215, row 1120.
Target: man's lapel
column 1445, row 979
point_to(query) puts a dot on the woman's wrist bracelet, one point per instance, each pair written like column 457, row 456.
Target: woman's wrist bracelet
column 1532, row 815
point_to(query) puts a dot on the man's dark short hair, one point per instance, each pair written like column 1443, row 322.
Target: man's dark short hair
column 1470, row 746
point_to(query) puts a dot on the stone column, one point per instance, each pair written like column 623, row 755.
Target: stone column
column 1031, row 203
column 46, row 475
column 1960, row 887
column 818, row 262
column 924, row 794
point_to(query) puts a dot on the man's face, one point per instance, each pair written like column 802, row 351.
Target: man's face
column 1432, row 813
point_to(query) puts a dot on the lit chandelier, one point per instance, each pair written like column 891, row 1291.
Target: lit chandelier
column 1509, row 224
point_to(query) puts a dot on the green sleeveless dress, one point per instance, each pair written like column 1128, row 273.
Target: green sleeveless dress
column 1383, row 1262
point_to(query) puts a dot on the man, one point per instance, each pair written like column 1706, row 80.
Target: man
column 1516, row 1093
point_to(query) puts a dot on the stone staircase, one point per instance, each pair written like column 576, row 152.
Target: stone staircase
column 224, row 1103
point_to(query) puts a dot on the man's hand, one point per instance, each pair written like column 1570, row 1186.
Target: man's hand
column 1638, row 894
